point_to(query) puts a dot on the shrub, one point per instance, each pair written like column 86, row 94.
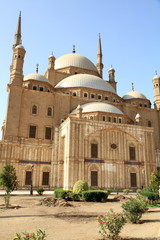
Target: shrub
column 109, row 190
column 39, row 235
column 154, row 179
column 116, row 189
column 95, row 196
column 139, row 191
column 40, row 191
column 126, row 191
column 60, row 193
column 151, row 193
column 80, row 186
column 133, row 209
column 75, row 196
column 111, row 224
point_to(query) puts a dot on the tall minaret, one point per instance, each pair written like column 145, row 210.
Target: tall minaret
column 16, row 69
column 99, row 58
column 156, row 85
column 15, row 88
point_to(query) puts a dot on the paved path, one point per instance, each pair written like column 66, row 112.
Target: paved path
column 25, row 192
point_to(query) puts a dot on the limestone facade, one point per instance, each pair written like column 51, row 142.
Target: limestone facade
column 70, row 124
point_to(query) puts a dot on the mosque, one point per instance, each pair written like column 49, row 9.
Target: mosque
column 70, row 124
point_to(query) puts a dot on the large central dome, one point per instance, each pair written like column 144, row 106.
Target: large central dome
column 87, row 81
column 74, row 60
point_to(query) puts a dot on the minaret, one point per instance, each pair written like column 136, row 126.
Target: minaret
column 156, row 85
column 15, row 88
column 17, row 36
column 16, row 69
column 112, row 81
column 51, row 61
column 99, row 58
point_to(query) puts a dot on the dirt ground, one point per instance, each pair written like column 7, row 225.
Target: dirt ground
column 77, row 222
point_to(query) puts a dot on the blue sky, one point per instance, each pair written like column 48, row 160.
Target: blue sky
column 129, row 32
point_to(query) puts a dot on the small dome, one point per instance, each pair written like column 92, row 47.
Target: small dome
column 98, row 107
column 74, row 60
column 37, row 77
column 156, row 77
column 20, row 46
column 133, row 94
column 51, row 56
column 87, row 81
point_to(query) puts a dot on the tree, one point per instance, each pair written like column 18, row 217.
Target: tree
column 8, row 180
column 154, row 179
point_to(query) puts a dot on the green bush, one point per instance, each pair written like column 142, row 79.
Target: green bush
column 80, row 186
column 39, row 235
column 126, row 191
column 61, row 193
column 95, row 196
column 139, row 191
column 133, row 209
column 75, row 196
column 151, row 193
column 109, row 190
column 111, row 224
column 40, row 191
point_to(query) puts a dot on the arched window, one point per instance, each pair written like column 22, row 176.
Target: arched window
column 34, row 109
column 49, row 111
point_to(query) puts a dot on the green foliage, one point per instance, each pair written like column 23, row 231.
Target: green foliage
column 60, row 193
column 8, row 178
column 95, row 196
column 139, row 191
column 154, row 179
column 116, row 189
column 40, row 191
column 39, row 235
column 80, row 186
column 75, row 196
column 109, row 190
column 126, row 191
column 133, row 209
column 111, row 224
column 151, row 193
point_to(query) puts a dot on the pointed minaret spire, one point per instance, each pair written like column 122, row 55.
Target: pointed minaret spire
column 99, row 58
column 99, row 45
column 74, row 49
column 18, row 40
column 37, row 65
column 132, row 86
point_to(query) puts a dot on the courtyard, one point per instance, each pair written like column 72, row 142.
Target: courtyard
column 75, row 222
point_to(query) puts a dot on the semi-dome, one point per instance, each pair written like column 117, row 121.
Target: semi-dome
column 20, row 46
column 133, row 94
column 156, row 77
column 74, row 60
column 98, row 107
column 37, row 77
column 87, row 81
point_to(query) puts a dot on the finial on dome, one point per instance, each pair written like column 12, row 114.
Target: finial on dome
column 132, row 86
column 156, row 72
column 37, row 65
column 74, row 50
